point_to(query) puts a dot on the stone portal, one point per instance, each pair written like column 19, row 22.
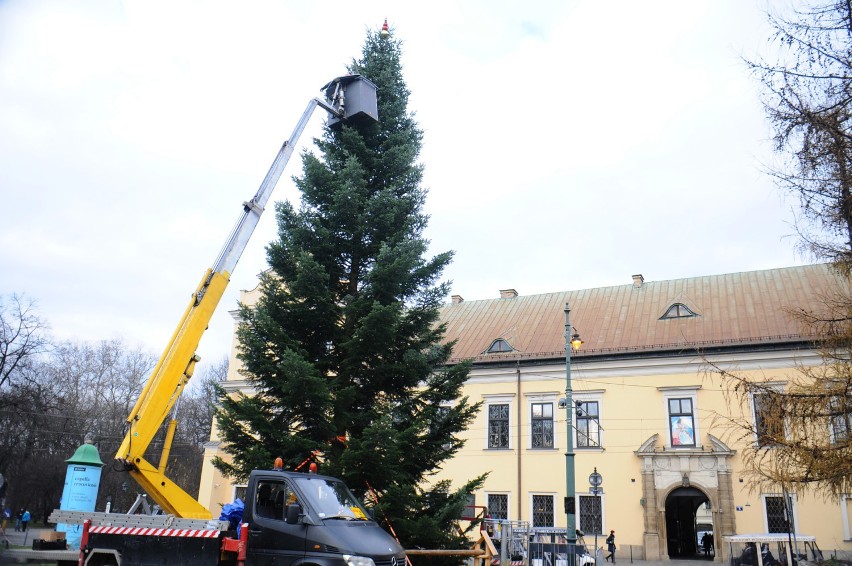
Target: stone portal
column 675, row 483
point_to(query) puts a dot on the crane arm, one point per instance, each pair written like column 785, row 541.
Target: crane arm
column 161, row 392
column 175, row 366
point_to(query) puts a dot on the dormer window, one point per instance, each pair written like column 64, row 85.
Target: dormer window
column 678, row 310
column 499, row 346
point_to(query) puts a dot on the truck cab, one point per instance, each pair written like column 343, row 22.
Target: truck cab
column 296, row 518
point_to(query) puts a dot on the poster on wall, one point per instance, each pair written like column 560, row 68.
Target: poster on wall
column 683, row 433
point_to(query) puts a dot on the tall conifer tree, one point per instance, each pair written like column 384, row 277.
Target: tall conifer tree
column 343, row 349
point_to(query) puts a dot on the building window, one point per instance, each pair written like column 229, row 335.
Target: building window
column 498, row 506
column 846, row 515
column 841, row 420
column 438, row 418
column 542, row 512
column 779, row 519
column 590, row 514
column 681, row 422
column 588, row 424
column 499, row 346
column 240, row 492
column 768, row 418
column 678, row 310
column 436, row 424
column 470, row 512
column 498, row 425
column 542, row 425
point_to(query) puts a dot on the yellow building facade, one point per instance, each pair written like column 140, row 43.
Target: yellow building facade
column 648, row 413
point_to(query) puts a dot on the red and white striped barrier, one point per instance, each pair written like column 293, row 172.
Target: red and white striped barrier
column 154, row 532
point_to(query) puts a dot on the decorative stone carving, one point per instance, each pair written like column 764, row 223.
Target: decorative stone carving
column 649, row 446
column 719, row 447
column 708, row 470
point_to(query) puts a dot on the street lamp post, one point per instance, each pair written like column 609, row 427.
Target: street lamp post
column 595, row 480
column 572, row 341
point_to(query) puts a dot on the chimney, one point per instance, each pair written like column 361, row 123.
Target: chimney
column 457, row 299
column 508, row 293
column 638, row 280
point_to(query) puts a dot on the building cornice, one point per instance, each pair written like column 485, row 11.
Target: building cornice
column 636, row 367
column 688, row 349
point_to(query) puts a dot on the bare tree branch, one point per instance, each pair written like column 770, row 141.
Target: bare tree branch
column 22, row 336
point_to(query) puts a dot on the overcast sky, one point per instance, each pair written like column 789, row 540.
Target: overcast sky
column 568, row 144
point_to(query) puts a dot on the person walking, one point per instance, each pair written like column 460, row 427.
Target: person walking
column 610, row 546
column 25, row 520
column 18, row 520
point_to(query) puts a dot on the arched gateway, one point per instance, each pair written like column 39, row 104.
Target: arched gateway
column 676, row 482
column 682, row 521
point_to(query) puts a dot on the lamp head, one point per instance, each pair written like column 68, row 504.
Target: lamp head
column 575, row 341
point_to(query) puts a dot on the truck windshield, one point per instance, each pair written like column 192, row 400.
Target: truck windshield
column 331, row 499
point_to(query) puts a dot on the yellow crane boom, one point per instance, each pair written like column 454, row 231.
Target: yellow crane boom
column 346, row 98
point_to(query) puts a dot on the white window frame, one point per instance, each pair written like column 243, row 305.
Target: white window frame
column 502, row 399
column 795, row 506
column 585, row 397
column 845, row 500
column 507, row 495
column 532, row 507
column 551, row 398
column 603, row 512
column 682, row 392
column 234, row 489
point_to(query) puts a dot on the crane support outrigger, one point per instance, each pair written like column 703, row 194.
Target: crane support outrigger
column 349, row 98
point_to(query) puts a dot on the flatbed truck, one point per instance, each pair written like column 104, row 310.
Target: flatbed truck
column 290, row 518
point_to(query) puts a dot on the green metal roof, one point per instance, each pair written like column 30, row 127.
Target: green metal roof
column 87, row 455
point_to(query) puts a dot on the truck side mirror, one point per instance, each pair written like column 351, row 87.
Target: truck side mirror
column 294, row 510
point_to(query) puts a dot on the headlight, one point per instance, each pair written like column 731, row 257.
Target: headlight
column 358, row 560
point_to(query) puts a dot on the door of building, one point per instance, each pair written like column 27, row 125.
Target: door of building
column 681, row 530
